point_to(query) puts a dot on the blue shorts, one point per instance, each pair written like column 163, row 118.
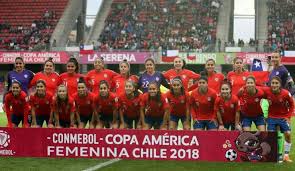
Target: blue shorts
column 65, row 124
column 85, row 119
column 247, row 121
column 202, row 124
column 41, row 118
column 272, row 124
column 230, row 126
column 153, row 122
column 177, row 118
column 129, row 121
column 16, row 119
column 106, row 118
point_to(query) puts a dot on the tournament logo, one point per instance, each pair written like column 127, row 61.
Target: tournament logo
column 4, row 139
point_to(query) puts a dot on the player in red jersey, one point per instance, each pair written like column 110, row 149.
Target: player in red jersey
column 119, row 81
column 202, row 106
column 129, row 106
column 250, row 97
column 281, row 107
column 184, row 74
column 179, row 105
column 16, row 106
column 71, row 77
column 227, row 108
column 106, row 104
column 214, row 78
column 41, row 105
column 98, row 74
column 49, row 76
column 84, row 104
column 154, row 108
column 238, row 76
column 63, row 108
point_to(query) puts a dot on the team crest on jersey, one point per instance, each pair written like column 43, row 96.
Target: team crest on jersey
column 183, row 76
column 277, row 73
column 182, row 101
column 232, row 106
column 157, row 78
column 105, row 75
column 281, row 100
column 216, row 79
column 88, row 102
column 26, row 76
column 77, row 79
column 244, row 78
column 47, row 102
column 209, row 99
column 256, row 99
column 37, row 106
column 53, row 79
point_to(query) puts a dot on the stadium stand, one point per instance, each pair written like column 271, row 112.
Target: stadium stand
column 28, row 24
column 281, row 22
column 166, row 24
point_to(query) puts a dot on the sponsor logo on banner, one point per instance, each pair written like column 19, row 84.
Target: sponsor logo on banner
column 4, row 143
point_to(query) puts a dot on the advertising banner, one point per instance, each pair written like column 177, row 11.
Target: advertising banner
column 34, row 57
column 139, row 144
column 116, row 57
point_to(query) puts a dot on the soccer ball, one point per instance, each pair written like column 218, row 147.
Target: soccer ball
column 231, row 155
column 4, row 139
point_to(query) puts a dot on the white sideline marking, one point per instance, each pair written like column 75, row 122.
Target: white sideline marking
column 101, row 165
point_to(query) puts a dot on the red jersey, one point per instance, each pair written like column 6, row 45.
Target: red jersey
column 178, row 104
column 280, row 105
column 84, row 105
column 64, row 110
column 250, row 105
column 184, row 74
column 118, row 84
column 42, row 105
column 203, row 104
column 94, row 77
column 237, row 80
column 17, row 105
column 71, row 81
column 106, row 105
column 227, row 109
column 52, row 81
column 129, row 107
column 154, row 108
column 214, row 81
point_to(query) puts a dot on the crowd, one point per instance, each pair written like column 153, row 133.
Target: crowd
column 154, row 25
column 281, row 20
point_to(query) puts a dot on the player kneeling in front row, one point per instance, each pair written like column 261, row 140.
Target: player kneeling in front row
column 227, row 108
column 41, row 105
column 202, row 106
column 281, row 106
column 106, row 107
column 129, row 106
column 16, row 106
column 179, row 105
column 84, row 104
column 63, row 108
column 154, row 108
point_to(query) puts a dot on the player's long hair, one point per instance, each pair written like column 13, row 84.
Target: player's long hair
column 59, row 100
column 135, row 92
column 205, row 72
column 158, row 95
column 182, row 92
column 44, row 84
column 128, row 65
column 75, row 62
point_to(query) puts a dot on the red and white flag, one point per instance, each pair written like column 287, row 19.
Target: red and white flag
column 169, row 55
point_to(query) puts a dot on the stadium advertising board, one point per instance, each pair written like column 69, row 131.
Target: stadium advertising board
column 138, row 144
column 116, row 57
column 34, row 57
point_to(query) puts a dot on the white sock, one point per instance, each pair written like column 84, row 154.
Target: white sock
column 287, row 147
